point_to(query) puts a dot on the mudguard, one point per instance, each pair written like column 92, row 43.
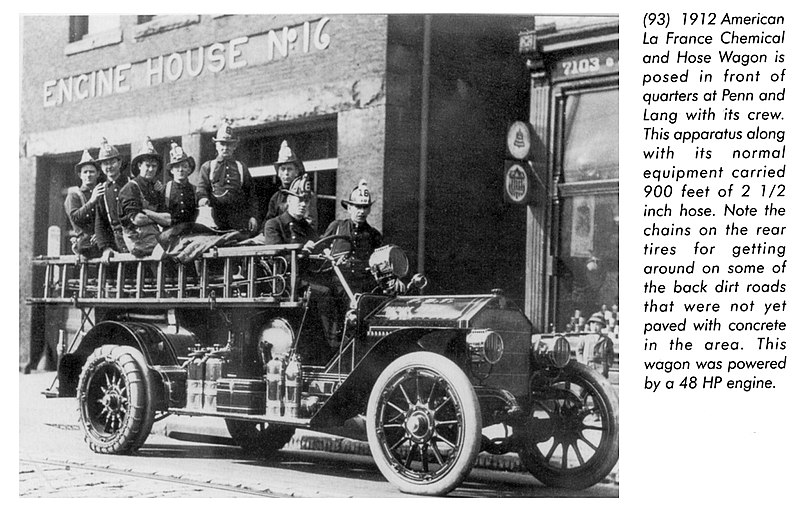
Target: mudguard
column 157, row 347
column 350, row 399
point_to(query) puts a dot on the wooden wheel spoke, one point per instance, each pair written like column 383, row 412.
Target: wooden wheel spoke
column 430, row 395
column 437, row 453
column 405, row 395
column 410, row 456
column 588, row 443
column 578, row 453
column 445, row 441
column 594, row 427
column 401, row 411
column 445, row 401
column 397, row 444
column 551, row 451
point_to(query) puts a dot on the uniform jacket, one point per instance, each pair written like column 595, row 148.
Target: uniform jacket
column 219, row 181
column 107, row 215
column 287, row 230
column 136, row 195
column 364, row 239
column 277, row 206
column 79, row 211
column 181, row 202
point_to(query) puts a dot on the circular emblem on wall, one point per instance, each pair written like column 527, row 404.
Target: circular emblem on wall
column 517, row 184
column 518, row 140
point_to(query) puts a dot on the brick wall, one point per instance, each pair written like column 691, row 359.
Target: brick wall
column 326, row 78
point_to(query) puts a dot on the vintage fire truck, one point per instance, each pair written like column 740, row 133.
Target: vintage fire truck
column 430, row 381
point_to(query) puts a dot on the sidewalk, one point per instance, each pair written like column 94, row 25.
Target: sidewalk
column 213, row 430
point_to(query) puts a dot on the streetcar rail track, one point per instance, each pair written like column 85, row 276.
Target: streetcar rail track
column 264, row 493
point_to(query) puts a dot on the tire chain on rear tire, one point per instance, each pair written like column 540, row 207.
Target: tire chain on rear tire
column 140, row 414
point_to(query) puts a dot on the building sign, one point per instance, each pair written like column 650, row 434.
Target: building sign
column 518, row 140
column 517, row 188
column 308, row 37
column 586, row 65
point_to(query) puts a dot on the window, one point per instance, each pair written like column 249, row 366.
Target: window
column 81, row 26
column 90, row 32
column 591, row 136
column 144, row 18
column 587, row 248
column 78, row 27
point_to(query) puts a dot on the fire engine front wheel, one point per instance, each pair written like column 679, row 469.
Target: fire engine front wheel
column 424, row 424
column 259, row 438
column 115, row 398
column 571, row 438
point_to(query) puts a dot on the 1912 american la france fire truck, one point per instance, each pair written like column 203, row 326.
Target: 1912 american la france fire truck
column 431, row 381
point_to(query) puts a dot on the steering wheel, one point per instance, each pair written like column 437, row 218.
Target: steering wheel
column 328, row 260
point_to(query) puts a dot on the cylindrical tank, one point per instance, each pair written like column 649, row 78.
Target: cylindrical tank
column 274, row 389
column 194, row 380
column 292, row 386
column 214, row 364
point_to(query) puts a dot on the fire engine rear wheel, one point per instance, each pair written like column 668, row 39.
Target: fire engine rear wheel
column 115, row 399
column 259, row 438
column 424, row 424
column 571, row 438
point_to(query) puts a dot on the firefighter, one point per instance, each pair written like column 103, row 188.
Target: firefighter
column 80, row 205
column 179, row 198
column 225, row 184
column 292, row 227
column 142, row 208
column 288, row 167
column 107, row 226
column 363, row 238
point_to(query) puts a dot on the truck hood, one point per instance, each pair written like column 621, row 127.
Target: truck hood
column 432, row 311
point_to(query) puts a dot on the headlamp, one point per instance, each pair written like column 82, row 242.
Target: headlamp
column 388, row 260
column 485, row 346
column 278, row 334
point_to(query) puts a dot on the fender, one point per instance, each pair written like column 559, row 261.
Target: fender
column 351, row 397
column 156, row 347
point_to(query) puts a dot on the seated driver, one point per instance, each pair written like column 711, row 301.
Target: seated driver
column 293, row 227
column 362, row 238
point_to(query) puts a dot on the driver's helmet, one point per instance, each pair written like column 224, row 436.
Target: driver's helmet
column 359, row 196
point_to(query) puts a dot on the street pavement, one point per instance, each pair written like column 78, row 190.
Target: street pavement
column 44, row 416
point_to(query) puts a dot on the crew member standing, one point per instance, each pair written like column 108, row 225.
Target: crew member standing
column 107, row 226
column 226, row 185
